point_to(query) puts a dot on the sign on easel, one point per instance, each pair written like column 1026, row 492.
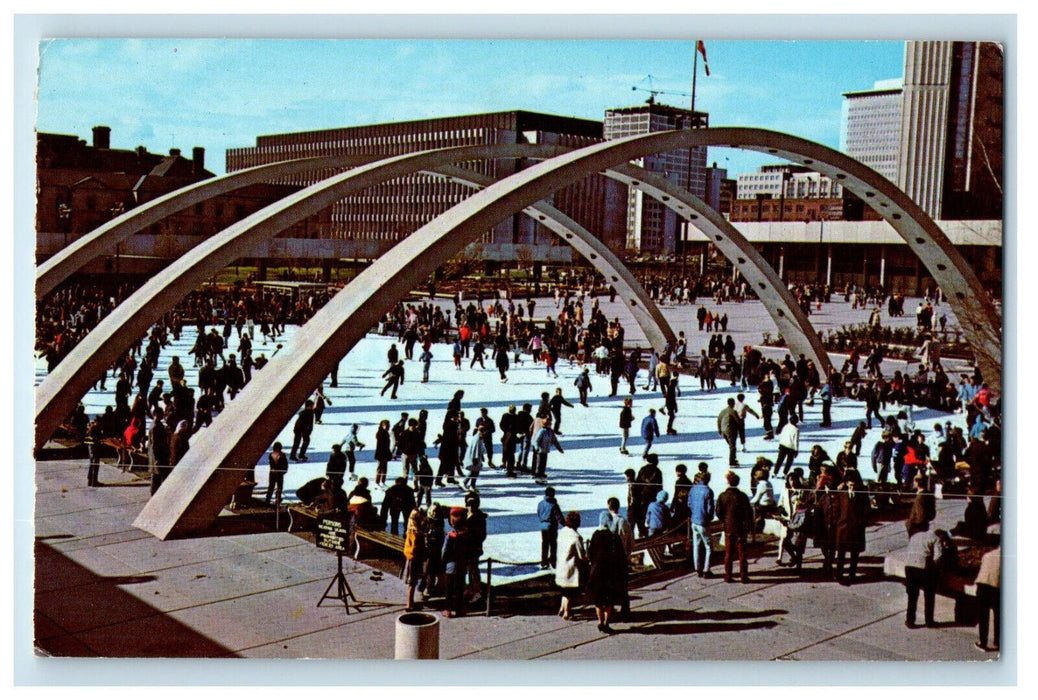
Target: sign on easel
column 333, row 535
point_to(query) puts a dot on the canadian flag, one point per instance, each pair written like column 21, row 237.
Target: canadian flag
column 701, row 48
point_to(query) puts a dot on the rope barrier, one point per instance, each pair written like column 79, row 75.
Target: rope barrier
column 77, row 464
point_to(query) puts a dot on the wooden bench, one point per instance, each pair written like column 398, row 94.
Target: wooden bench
column 302, row 512
column 380, row 538
column 138, row 457
column 656, row 545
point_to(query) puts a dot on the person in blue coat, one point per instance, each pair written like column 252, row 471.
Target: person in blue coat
column 701, row 505
column 658, row 514
column 826, row 395
column 650, row 431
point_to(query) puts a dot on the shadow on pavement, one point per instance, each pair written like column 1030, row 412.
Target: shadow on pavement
column 86, row 615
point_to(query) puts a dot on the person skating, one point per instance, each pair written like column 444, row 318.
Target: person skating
column 650, row 431
column 301, row 432
column 543, row 441
column 728, row 428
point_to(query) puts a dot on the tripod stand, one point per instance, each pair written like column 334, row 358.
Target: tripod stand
column 343, row 590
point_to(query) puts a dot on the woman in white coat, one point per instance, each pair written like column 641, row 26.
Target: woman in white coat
column 572, row 558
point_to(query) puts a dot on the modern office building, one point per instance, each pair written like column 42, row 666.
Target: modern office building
column 720, row 189
column 936, row 133
column 870, row 127
column 394, row 209
column 952, row 128
column 650, row 226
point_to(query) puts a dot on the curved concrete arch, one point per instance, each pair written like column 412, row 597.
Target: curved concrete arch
column 972, row 305
column 103, row 239
column 789, row 318
column 203, row 483
column 60, row 266
column 645, row 311
column 58, row 393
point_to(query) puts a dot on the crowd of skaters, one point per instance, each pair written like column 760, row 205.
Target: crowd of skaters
column 579, row 336
column 829, row 506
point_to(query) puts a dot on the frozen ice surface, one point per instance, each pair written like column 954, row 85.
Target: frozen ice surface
column 591, row 469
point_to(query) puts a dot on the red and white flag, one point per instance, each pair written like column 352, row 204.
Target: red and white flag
column 702, row 50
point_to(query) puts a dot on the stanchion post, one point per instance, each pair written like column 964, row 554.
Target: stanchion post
column 490, row 570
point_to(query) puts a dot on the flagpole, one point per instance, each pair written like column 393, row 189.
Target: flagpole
column 688, row 173
column 695, row 66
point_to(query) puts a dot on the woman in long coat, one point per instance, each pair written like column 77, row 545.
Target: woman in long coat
column 383, row 452
column 822, row 519
column 851, row 515
column 571, row 558
column 606, row 580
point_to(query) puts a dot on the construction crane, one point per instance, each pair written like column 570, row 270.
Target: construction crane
column 653, row 92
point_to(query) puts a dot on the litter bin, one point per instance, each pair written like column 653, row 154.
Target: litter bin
column 417, row 636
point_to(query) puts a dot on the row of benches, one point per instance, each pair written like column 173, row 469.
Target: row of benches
column 364, row 540
column 361, row 536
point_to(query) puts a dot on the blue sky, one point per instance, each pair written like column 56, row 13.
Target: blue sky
column 223, row 93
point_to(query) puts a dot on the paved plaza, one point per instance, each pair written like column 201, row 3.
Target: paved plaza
column 107, row 589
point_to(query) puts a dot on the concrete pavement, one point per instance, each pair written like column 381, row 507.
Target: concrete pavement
column 106, row 589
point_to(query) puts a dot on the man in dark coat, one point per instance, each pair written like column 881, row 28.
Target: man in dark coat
column 278, row 468
column 728, row 428
column 647, row 483
column 850, row 515
column 394, row 377
column 736, row 514
column 508, row 441
column 336, row 469
column 232, row 377
column 924, row 508
column 398, row 501
column 766, row 389
column 301, row 431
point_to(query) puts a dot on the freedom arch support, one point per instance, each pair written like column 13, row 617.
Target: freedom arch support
column 71, row 379
column 204, row 481
column 789, row 318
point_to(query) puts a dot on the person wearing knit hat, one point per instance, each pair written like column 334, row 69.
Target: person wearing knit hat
column 658, row 514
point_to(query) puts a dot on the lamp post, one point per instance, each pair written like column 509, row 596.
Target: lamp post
column 116, row 210
column 782, row 195
column 822, row 217
column 65, row 219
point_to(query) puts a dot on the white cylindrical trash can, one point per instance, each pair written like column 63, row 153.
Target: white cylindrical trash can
column 418, row 636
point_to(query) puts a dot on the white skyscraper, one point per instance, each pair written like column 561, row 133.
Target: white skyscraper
column 871, row 126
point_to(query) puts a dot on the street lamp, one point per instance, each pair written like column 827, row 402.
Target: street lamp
column 116, row 210
column 823, row 215
column 65, row 217
column 786, row 175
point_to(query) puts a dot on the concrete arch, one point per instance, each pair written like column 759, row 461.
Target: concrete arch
column 61, row 389
column 203, row 483
column 789, row 318
column 645, row 311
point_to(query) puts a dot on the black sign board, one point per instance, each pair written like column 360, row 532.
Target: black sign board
column 333, row 534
